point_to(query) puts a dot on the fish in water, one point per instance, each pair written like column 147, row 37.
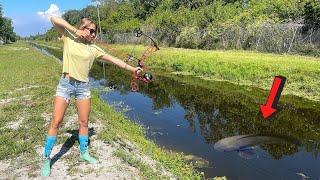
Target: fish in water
column 245, row 144
column 303, row 176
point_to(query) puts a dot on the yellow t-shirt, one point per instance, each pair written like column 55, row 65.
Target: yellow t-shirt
column 78, row 57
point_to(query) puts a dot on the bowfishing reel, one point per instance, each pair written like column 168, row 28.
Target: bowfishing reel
column 147, row 76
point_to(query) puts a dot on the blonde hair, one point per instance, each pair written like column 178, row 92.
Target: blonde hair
column 85, row 22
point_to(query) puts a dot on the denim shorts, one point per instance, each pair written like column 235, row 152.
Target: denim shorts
column 69, row 86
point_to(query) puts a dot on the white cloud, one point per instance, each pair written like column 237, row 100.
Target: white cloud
column 33, row 26
column 52, row 11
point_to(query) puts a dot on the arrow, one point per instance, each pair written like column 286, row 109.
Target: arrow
column 270, row 107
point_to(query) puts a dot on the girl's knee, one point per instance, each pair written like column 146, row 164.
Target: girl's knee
column 83, row 123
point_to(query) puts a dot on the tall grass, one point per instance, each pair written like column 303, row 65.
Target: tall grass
column 240, row 67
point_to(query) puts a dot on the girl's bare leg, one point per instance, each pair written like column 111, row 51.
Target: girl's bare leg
column 83, row 108
column 59, row 108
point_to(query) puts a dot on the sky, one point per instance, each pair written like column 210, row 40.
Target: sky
column 30, row 17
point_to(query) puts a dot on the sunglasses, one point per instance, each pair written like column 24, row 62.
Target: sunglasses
column 91, row 30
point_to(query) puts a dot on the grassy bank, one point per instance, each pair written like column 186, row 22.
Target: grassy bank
column 240, row 67
column 25, row 94
column 29, row 81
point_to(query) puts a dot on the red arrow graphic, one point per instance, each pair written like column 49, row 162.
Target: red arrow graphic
column 270, row 107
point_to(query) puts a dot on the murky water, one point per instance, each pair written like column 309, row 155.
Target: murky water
column 190, row 115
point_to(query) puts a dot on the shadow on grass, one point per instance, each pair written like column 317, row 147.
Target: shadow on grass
column 69, row 143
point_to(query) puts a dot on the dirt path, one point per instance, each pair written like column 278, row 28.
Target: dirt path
column 65, row 159
column 65, row 155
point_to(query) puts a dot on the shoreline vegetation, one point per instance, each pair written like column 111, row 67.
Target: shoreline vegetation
column 26, row 109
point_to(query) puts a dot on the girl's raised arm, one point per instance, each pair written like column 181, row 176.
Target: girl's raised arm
column 60, row 24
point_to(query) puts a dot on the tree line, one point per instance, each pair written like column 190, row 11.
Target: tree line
column 7, row 34
column 263, row 25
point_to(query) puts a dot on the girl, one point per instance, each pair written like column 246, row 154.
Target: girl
column 78, row 55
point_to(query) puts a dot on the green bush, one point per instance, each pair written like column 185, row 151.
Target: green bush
column 187, row 38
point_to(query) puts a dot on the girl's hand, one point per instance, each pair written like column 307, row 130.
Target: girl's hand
column 137, row 70
column 82, row 34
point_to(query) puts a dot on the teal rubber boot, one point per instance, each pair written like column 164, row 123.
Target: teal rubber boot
column 87, row 158
column 46, row 168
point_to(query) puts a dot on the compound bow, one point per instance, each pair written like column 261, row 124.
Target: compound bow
column 147, row 76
